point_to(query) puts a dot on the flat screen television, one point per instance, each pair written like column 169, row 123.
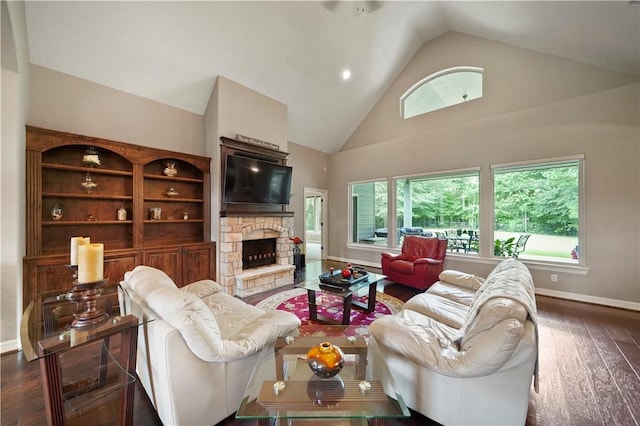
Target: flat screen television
column 252, row 181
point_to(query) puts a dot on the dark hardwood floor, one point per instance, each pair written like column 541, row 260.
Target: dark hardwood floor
column 589, row 369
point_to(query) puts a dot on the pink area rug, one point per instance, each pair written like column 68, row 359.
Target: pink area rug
column 329, row 305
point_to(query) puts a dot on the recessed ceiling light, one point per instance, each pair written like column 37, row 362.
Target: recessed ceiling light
column 346, row 74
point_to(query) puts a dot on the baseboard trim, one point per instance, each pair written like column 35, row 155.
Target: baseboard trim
column 10, row 346
column 614, row 303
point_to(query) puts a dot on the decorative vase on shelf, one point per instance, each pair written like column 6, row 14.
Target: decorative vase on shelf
column 325, row 360
column 56, row 212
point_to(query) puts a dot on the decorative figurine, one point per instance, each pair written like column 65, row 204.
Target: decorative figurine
column 122, row 213
column 171, row 170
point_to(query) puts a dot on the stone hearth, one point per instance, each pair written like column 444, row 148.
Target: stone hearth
column 235, row 230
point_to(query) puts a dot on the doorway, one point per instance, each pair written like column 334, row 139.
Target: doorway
column 315, row 223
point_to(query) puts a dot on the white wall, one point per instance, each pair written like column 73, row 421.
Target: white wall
column 309, row 171
column 537, row 107
column 62, row 102
column 15, row 75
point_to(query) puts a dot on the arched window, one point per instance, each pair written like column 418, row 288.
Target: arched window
column 442, row 89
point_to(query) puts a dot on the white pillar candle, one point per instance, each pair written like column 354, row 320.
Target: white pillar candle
column 75, row 242
column 90, row 263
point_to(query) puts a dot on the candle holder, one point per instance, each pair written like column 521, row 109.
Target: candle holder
column 92, row 315
column 75, row 294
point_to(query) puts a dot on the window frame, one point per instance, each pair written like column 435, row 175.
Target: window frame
column 350, row 228
column 434, row 76
column 441, row 174
column 540, row 163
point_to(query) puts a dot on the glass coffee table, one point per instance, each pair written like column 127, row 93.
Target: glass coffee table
column 283, row 390
column 368, row 283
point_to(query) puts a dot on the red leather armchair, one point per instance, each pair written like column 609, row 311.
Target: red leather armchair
column 419, row 264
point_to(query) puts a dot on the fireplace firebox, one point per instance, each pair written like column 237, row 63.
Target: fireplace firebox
column 257, row 253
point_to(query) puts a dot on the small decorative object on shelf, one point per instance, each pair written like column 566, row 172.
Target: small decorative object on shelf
column 364, row 386
column 91, row 218
column 155, row 213
column 279, row 387
column 171, row 192
column 56, row 212
column 122, row 213
column 185, row 215
column 325, row 360
column 91, row 158
column 170, row 170
column 88, row 183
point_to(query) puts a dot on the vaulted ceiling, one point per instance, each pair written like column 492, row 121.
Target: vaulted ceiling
column 295, row 52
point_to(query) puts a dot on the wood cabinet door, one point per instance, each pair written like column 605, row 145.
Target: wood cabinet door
column 167, row 260
column 42, row 276
column 115, row 266
column 198, row 264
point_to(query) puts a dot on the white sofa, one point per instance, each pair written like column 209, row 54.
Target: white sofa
column 196, row 357
column 465, row 351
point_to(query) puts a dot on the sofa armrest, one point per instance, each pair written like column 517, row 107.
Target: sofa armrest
column 261, row 331
column 391, row 256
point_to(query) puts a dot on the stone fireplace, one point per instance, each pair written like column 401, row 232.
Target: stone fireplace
column 271, row 258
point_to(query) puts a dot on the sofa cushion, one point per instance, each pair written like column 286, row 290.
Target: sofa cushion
column 415, row 247
column 461, row 295
column 441, row 309
column 145, row 279
column 461, row 279
column 419, row 337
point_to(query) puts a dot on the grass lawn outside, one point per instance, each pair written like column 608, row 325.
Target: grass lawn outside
column 543, row 245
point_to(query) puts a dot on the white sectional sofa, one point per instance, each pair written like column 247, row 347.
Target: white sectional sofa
column 196, row 356
column 465, row 351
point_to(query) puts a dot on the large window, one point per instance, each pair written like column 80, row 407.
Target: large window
column 369, row 212
column 440, row 205
column 538, row 204
column 442, row 89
